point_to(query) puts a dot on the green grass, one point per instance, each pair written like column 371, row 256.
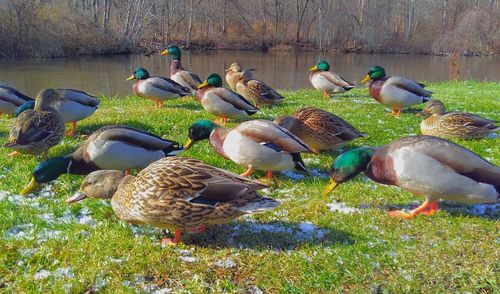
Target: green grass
column 454, row 251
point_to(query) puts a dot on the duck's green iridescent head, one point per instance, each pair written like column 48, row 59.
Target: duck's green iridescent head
column 174, row 51
column 213, row 80
column 47, row 171
column 25, row 106
column 374, row 73
column 200, row 130
column 139, row 74
column 321, row 66
column 348, row 165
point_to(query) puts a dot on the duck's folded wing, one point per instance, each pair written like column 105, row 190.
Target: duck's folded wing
column 198, row 182
column 32, row 127
column 192, row 79
column 409, row 85
column 78, row 96
column 463, row 161
column 135, row 137
column 336, row 79
column 262, row 131
column 234, row 99
column 264, row 90
column 11, row 95
column 168, row 85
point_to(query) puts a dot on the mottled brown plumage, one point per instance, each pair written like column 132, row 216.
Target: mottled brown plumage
column 319, row 129
column 257, row 91
column 36, row 130
column 233, row 75
column 176, row 193
column 463, row 125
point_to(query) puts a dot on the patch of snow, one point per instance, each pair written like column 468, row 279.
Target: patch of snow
column 492, row 136
column 312, row 160
column 292, row 175
column 27, row 252
column 342, row 208
column 225, row 263
column 254, row 290
column 318, row 173
column 163, row 291
column 63, row 272
column 99, row 283
column 484, row 209
column 188, row 259
column 42, row 274
column 20, row 232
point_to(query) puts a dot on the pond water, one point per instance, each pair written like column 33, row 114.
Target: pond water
column 282, row 70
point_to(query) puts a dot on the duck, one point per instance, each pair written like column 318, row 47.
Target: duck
column 393, row 91
column 319, row 129
column 439, row 123
column 11, row 99
column 222, row 102
column 423, row 165
column 176, row 193
column 180, row 75
column 36, row 130
column 113, row 147
column 233, row 74
column 256, row 91
column 254, row 144
column 73, row 105
column 157, row 89
column 329, row 82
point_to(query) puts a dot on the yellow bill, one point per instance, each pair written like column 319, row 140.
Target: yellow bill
column 164, row 52
column 314, row 68
column 130, row 78
column 365, row 79
column 203, row 85
column 188, row 144
column 330, row 187
column 32, row 185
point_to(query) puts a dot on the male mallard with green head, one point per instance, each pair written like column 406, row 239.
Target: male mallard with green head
column 157, row 89
column 329, row 82
column 254, row 144
column 424, row 165
column 180, row 75
column 456, row 124
column 36, row 130
column 394, row 92
column 177, row 193
column 111, row 147
column 222, row 102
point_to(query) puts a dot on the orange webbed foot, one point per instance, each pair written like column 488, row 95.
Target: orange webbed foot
column 172, row 241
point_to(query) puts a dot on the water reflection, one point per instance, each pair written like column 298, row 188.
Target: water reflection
column 282, row 70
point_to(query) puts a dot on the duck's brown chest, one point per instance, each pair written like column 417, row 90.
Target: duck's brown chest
column 135, row 87
column 381, row 170
column 375, row 88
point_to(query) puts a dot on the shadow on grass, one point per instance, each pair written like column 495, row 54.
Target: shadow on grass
column 276, row 235
column 189, row 105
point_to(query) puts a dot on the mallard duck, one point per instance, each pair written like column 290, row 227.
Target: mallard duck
column 36, row 130
column 255, row 144
column 319, row 129
column 11, row 99
column 222, row 102
column 73, row 105
column 183, row 77
column 256, row 91
column 157, row 89
column 395, row 92
column 111, row 147
column 464, row 125
column 176, row 193
column 329, row 82
column 424, row 165
column 233, row 74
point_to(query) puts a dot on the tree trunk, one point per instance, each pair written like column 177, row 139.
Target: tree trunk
column 190, row 24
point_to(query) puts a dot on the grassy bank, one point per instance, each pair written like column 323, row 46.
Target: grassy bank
column 309, row 244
